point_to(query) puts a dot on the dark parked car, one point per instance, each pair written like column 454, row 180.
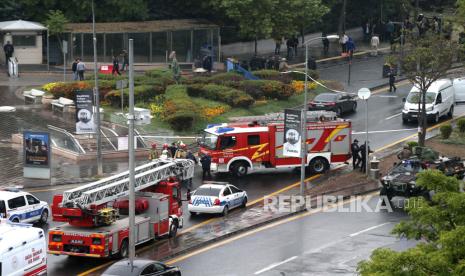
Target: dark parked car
column 141, row 268
column 336, row 102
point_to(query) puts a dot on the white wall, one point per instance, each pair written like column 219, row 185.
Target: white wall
column 29, row 55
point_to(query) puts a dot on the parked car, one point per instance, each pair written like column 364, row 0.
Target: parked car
column 459, row 87
column 336, row 102
column 19, row 206
column 440, row 101
column 216, row 198
column 142, row 267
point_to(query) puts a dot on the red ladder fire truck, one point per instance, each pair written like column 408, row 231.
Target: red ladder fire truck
column 96, row 218
column 252, row 143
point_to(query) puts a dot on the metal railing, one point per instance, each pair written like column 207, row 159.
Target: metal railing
column 67, row 141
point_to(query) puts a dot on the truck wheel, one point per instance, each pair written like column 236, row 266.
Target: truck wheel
column 44, row 217
column 451, row 112
column 124, row 249
column 173, row 229
column 318, row 165
column 239, row 169
column 16, row 220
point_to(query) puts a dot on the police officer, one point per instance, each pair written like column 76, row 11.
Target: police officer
column 363, row 156
column 355, row 154
column 206, row 162
column 181, row 152
column 153, row 153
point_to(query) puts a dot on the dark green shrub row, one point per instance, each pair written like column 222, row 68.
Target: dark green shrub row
column 179, row 111
column 229, row 95
column 142, row 93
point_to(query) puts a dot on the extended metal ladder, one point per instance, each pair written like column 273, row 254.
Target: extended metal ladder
column 117, row 186
column 312, row 116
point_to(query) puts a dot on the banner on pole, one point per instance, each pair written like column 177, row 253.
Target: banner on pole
column 84, row 112
column 292, row 133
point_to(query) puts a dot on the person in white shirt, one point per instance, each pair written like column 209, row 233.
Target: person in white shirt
column 343, row 41
column 374, row 45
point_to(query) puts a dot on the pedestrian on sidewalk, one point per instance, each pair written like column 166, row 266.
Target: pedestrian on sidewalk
column 81, row 68
column 206, row 161
column 363, row 156
column 295, row 45
column 392, row 79
column 355, row 154
column 389, row 30
column 289, row 48
column 343, row 41
column 366, row 31
column 125, row 56
column 74, row 69
column 350, row 47
column 9, row 50
column 325, row 41
column 277, row 47
column 115, row 66
column 374, row 45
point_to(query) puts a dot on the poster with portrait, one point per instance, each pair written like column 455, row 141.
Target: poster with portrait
column 84, row 112
column 292, row 135
column 36, row 149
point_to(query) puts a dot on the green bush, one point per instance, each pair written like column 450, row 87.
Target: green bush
column 178, row 109
column 229, row 95
column 267, row 74
column 159, row 73
column 267, row 88
column 461, row 125
column 446, row 131
column 226, row 77
column 301, row 77
column 412, row 144
column 142, row 93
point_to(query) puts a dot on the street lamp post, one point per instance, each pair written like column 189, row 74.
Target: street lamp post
column 304, row 114
column 364, row 94
column 132, row 222
column 97, row 98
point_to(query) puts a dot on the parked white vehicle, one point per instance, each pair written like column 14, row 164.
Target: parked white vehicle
column 22, row 249
column 216, row 199
column 19, row 206
column 459, row 87
column 440, row 101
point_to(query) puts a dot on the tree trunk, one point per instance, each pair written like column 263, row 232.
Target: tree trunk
column 302, row 34
column 422, row 121
column 256, row 42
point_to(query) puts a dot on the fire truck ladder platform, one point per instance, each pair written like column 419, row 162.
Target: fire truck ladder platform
column 117, row 186
column 312, row 116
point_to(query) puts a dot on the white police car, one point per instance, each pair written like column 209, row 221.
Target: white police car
column 19, row 206
column 216, row 198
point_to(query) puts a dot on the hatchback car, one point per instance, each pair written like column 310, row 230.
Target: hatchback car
column 336, row 102
column 142, row 267
column 19, row 206
column 216, row 199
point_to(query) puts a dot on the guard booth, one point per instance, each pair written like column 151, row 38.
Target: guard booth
column 26, row 37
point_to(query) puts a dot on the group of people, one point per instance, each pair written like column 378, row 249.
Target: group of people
column 359, row 155
column 116, row 66
column 78, row 67
column 292, row 44
column 179, row 150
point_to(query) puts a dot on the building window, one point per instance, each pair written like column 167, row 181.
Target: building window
column 24, row 40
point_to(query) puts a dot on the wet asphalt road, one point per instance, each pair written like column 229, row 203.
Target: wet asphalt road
column 384, row 109
column 327, row 243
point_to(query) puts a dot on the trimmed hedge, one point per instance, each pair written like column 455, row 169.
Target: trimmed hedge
column 267, row 89
column 446, row 131
column 461, row 125
column 68, row 89
column 229, row 95
column 142, row 93
column 273, row 75
column 179, row 111
column 226, row 77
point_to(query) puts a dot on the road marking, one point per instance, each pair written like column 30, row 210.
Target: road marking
column 393, row 116
column 270, row 267
column 145, row 248
column 387, row 96
column 368, row 229
column 265, row 227
column 383, row 131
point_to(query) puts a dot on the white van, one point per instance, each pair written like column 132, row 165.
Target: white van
column 440, row 101
column 22, row 249
column 459, row 87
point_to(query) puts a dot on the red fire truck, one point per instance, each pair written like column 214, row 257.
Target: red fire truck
column 252, row 143
column 96, row 218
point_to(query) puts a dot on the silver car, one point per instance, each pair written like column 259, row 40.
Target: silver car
column 142, row 267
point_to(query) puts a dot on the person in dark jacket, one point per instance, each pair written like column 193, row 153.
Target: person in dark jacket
column 206, row 162
column 115, row 66
column 9, row 50
column 74, row 69
column 392, row 79
column 173, row 148
column 363, row 157
column 355, row 154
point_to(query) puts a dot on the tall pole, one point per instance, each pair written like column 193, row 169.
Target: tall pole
column 350, row 64
column 48, row 50
column 132, row 196
column 367, row 152
column 97, row 98
column 64, row 63
column 303, row 152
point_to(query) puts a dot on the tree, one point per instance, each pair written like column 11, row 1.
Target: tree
column 254, row 17
column 9, row 9
column 55, row 23
column 426, row 60
column 439, row 224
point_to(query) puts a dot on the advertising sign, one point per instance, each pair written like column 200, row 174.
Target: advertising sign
column 84, row 112
column 36, row 149
column 292, row 135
